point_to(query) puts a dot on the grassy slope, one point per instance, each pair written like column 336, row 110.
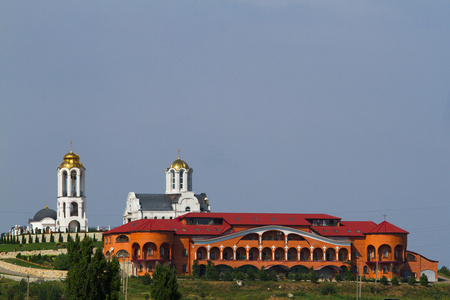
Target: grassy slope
column 198, row 289
column 23, row 263
column 38, row 246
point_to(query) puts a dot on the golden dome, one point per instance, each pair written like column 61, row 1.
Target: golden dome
column 71, row 160
column 179, row 164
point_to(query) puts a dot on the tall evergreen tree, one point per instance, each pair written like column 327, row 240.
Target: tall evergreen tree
column 90, row 276
column 164, row 284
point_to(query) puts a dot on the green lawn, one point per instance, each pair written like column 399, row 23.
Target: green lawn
column 38, row 246
column 22, row 263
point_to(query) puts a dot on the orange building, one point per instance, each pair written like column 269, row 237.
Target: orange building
column 281, row 242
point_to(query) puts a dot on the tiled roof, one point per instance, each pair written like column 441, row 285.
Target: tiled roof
column 172, row 225
column 262, row 219
column 386, row 227
column 157, row 202
column 347, row 228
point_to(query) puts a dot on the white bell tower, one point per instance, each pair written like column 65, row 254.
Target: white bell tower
column 71, row 211
column 178, row 177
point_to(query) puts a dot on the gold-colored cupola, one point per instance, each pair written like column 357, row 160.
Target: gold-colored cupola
column 179, row 164
column 71, row 160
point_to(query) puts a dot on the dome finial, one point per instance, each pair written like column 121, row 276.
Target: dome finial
column 70, row 145
column 178, row 153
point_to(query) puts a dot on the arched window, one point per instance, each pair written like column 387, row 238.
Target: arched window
column 172, row 174
column 181, row 179
column 366, row 270
column 122, row 239
column 188, row 208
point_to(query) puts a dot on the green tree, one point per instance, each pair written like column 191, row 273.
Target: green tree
column 195, row 268
column 211, row 272
column 312, row 275
column 338, row 277
column 394, row 280
column 263, row 274
column 23, row 239
column 52, row 238
column 444, row 271
column 89, row 275
column 61, row 262
column 227, row 275
column 60, row 239
column 411, row 280
column 43, row 237
column 36, row 239
column 251, row 275
column 423, row 280
column 164, row 285
column 384, row 280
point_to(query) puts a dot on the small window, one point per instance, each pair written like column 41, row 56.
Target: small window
column 385, row 269
column 385, row 254
column 358, row 231
column 207, row 229
column 150, row 268
column 184, row 229
column 133, row 224
column 273, row 219
column 156, row 217
column 188, row 208
column 255, row 219
column 163, row 217
column 150, row 252
column 170, row 218
column 197, row 229
column 290, row 219
column 335, row 230
column 366, row 270
column 238, row 218
column 185, row 252
column 140, row 268
column 145, row 217
column 217, row 229
column 325, row 230
column 184, row 268
column 349, row 231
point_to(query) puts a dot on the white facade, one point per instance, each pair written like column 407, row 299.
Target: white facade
column 178, row 199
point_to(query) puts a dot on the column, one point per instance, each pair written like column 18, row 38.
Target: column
column 78, row 184
column 69, row 184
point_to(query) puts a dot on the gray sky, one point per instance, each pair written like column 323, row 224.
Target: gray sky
column 338, row 107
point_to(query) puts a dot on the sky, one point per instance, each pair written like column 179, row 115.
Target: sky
column 336, row 107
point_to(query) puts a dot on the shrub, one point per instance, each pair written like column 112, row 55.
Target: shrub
column 61, row 262
column 411, row 280
column 146, row 279
column 251, row 275
column 394, row 280
column 298, row 277
column 423, row 280
column 384, row 280
column 238, row 275
column 273, row 276
column 263, row 274
column 327, row 289
column 444, row 271
column 312, row 275
column 338, row 277
column 227, row 276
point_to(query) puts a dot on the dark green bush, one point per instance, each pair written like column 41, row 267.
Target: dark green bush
column 394, row 280
column 411, row 280
column 327, row 289
column 384, row 280
column 423, row 280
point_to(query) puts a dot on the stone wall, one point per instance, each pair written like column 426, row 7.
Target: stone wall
column 56, row 274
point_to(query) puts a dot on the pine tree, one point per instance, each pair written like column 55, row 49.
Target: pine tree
column 90, row 276
column 164, row 284
column 23, row 239
column 43, row 237
column 60, row 239
column 52, row 238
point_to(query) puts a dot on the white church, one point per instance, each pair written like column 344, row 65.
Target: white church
column 71, row 208
column 178, row 199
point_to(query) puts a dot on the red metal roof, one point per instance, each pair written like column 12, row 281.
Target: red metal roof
column 347, row 228
column 262, row 219
column 172, row 225
column 386, row 227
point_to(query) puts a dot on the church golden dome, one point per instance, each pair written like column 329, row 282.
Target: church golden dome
column 179, row 164
column 71, row 160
